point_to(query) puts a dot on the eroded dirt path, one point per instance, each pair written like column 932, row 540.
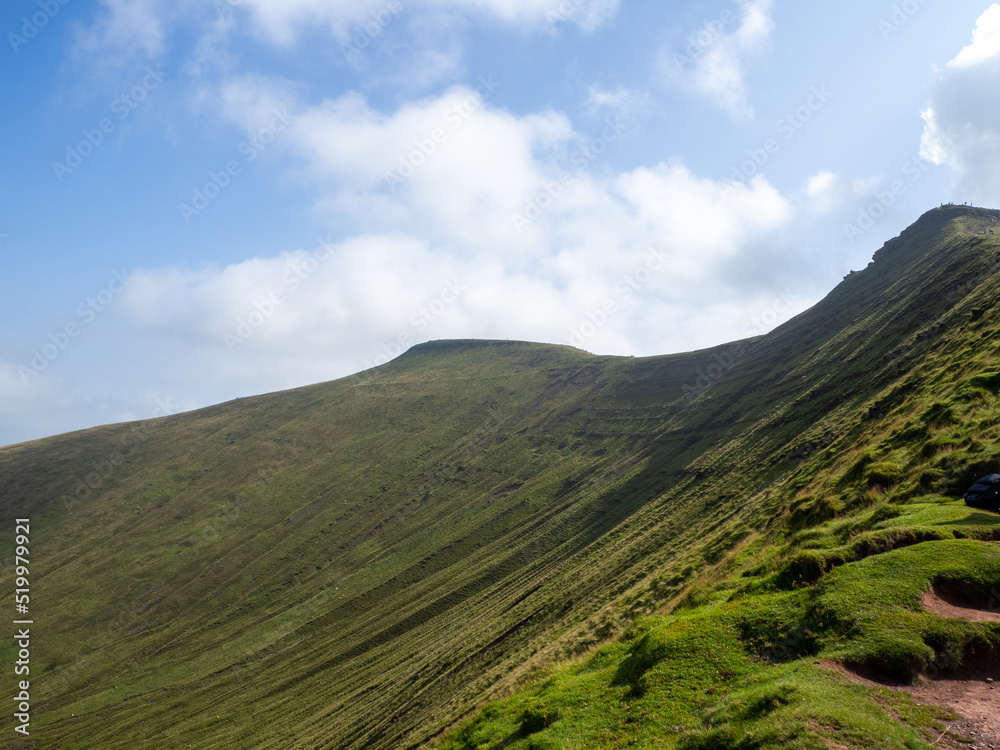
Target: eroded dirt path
column 973, row 694
column 967, row 693
column 976, row 702
column 938, row 602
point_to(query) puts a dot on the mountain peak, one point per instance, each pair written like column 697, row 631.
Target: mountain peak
column 972, row 220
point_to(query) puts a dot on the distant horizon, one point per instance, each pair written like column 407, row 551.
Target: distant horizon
column 164, row 408
column 205, row 201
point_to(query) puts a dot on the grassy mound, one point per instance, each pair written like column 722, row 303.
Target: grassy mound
column 746, row 672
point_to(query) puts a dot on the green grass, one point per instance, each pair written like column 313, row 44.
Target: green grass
column 748, row 673
column 364, row 563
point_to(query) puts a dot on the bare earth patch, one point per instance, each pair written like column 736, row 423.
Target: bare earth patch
column 968, row 694
column 940, row 603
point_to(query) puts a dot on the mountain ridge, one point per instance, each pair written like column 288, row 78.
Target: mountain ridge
column 384, row 552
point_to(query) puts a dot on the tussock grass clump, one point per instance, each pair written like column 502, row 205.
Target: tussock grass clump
column 537, row 716
column 810, row 511
column 885, row 474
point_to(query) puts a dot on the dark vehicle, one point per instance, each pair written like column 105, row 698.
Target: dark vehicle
column 985, row 493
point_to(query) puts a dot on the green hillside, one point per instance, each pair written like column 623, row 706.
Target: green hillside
column 656, row 551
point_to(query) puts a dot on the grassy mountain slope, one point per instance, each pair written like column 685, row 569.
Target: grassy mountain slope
column 860, row 526
column 361, row 563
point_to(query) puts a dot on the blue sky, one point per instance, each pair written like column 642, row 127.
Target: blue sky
column 206, row 200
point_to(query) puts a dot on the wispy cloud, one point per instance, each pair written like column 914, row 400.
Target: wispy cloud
column 624, row 101
column 126, row 28
column 713, row 65
column 145, row 25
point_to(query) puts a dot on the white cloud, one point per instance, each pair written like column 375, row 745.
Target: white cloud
column 599, row 97
column 823, row 191
column 962, row 121
column 935, row 144
column 694, row 220
column 438, row 256
column 985, row 41
column 451, row 165
column 459, row 172
column 129, row 27
column 429, row 65
column 143, row 25
column 587, row 14
column 820, row 184
column 627, row 102
column 252, row 100
column 212, row 51
column 281, row 21
column 714, row 62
